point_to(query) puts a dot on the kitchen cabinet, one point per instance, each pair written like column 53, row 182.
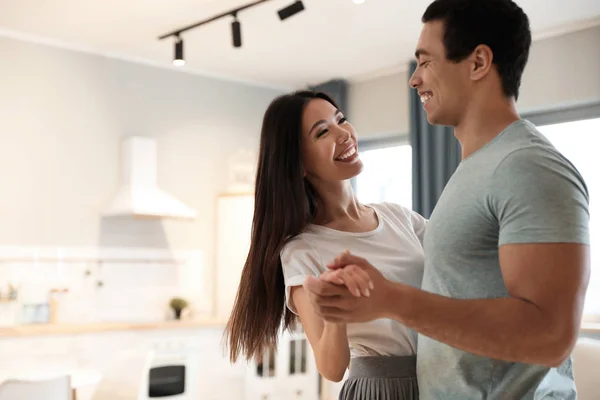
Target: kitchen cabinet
column 209, row 375
column 234, row 225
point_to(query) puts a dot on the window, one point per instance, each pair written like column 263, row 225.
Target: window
column 387, row 175
column 575, row 140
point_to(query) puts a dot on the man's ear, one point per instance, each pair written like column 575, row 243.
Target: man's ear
column 482, row 60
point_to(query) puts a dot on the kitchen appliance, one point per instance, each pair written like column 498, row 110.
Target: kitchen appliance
column 138, row 194
column 167, row 381
column 173, row 370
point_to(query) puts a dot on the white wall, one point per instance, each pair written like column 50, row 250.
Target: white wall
column 62, row 115
column 379, row 107
column 562, row 70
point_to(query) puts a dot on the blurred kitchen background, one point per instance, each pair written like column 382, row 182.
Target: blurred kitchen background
column 126, row 180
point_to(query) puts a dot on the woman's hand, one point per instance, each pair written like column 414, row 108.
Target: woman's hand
column 336, row 304
column 354, row 278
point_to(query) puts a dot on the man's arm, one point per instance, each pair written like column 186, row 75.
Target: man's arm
column 537, row 324
column 540, row 203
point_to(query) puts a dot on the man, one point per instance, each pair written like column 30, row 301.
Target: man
column 507, row 246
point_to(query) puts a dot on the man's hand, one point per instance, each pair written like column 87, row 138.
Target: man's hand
column 337, row 305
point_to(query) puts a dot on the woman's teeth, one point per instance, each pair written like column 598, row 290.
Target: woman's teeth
column 347, row 154
column 425, row 97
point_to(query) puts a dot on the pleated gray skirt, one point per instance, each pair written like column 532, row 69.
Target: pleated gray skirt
column 381, row 378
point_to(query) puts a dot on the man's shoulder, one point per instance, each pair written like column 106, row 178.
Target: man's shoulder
column 535, row 159
column 524, row 148
column 522, row 137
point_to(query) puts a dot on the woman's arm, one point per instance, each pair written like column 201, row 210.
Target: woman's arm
column 328, row 340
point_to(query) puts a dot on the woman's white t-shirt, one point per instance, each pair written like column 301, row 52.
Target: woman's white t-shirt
column 395, row 248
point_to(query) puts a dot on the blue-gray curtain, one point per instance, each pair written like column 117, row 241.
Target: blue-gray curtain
column 435, row 155
column 337, row 89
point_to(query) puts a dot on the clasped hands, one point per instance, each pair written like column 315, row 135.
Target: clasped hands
column 351, row 290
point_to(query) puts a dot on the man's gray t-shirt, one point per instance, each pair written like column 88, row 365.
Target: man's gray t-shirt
column 516, row 189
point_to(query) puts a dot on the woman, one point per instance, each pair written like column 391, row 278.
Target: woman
column 306, row 213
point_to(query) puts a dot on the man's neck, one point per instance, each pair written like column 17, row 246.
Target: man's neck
column 483, row 122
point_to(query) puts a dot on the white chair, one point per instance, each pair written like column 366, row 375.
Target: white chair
column 49, row 389
column 126, row 378
column 586, row 367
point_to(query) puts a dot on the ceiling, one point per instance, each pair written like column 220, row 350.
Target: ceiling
column 331, row 38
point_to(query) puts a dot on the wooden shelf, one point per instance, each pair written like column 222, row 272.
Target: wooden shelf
column 85, row 328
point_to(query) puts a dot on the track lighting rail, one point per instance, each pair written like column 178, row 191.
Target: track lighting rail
column 234, row 11
column 236, row 27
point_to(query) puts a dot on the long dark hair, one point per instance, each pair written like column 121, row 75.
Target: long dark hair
column 285, row 203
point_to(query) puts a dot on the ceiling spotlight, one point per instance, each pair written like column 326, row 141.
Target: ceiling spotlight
column 290, row 10
column 359, row 1
column 178, row 60
column 236, row 32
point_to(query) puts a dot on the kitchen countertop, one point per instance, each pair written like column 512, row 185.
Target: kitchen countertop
column 590, row 327
column 95, row 327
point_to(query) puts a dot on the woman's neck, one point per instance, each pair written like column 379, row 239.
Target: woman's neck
column 337, row 202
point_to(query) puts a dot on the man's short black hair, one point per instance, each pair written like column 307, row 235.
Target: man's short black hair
column 500, row 24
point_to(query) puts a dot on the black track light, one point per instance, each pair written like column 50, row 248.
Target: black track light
column 236, row 27
column 236, row 32
column 178, row 60
column 290, row 10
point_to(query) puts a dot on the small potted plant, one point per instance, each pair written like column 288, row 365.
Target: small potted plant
column 178, row 304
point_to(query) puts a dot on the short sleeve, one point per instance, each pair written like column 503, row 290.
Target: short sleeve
column 538, row 196
column 419, row 224
column 298, row 260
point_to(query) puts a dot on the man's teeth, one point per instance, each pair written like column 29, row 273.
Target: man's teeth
column 425, row 97
column 347, row 154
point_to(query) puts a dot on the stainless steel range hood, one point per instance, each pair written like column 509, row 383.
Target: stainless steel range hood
column 139, row 195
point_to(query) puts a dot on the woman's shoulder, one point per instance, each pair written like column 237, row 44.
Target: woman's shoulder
column 299, row 255
column 298, row 243
column 394, row 210
column 398, row 215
